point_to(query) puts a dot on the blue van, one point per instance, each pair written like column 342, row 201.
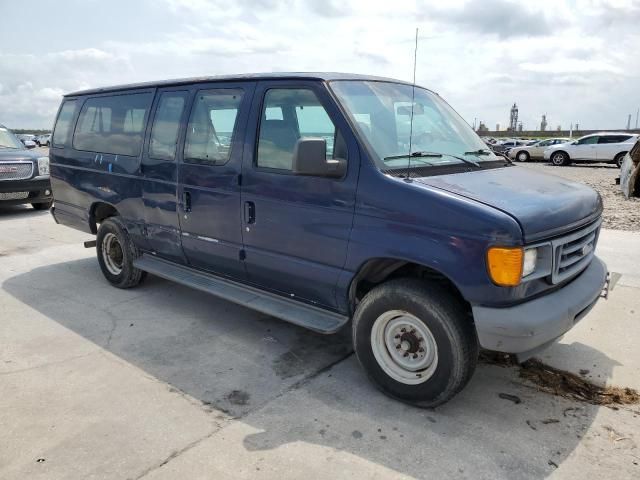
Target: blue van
column 327, row 199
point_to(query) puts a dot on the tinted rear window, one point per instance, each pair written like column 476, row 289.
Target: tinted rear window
column 63, row 123
column 113, row 124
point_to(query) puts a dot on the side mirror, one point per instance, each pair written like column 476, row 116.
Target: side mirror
column 310, row 158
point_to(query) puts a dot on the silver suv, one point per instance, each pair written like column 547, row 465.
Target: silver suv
column 602, row 147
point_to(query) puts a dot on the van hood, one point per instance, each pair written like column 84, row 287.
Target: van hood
column 544, row 205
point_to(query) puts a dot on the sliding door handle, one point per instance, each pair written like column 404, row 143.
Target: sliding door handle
column 249, row 213
column 186, row 201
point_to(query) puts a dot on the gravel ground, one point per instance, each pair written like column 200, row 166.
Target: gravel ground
column 619, row 213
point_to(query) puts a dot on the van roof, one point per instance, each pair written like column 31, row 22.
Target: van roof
column 324, row 76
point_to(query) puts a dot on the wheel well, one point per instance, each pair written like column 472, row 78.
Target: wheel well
column 377, row 271
column 99, row 213
column 621, row 154
column 560, row 151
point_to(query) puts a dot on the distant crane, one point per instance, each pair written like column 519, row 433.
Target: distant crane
column 543, row 123
column 513, row 121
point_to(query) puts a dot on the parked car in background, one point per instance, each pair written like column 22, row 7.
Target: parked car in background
column 24, row 175
column 504, row 146
column 602, row 147
column 43, row 140
column 426, row 252
column 535, row 151
column 27, row 140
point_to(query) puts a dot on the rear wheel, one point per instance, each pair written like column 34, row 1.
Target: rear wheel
column 560, row 159
column 116, row 254
column 416, row 341
column 522, row 156
column 619, row 159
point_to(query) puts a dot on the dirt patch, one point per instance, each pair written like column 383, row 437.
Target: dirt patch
column 238, row 397
column 564, row 384
column 619, row 213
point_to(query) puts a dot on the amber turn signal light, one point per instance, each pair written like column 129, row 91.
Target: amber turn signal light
column 505, row 265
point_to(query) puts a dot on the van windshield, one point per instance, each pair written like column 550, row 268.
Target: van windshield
column 382, row 113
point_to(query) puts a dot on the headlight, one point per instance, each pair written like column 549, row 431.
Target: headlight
column 43, row 166
column 530, row 261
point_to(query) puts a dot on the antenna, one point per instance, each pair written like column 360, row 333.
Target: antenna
column 413, row 96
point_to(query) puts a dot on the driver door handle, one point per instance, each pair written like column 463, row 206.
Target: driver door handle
column 249, row 213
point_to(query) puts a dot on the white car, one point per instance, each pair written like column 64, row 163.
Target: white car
column 603, row 147
column 536, row 150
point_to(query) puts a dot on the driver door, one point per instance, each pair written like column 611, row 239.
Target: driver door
column 586, row 149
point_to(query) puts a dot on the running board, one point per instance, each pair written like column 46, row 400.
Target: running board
column 308, row 316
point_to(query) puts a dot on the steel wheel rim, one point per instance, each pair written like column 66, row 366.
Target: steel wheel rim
column 409, row 356
column 112, row 254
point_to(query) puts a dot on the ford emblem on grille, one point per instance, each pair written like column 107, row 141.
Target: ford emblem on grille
column 586, row 250
column 8, row 169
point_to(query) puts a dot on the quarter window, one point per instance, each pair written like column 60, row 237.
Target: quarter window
column 212, row 126
column 288, row 115
column 113, row 124
column 63, row 124
column 166, row 125
column 588, row 140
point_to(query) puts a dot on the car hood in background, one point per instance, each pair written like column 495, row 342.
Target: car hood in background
column 544, row 205
column 11, row 155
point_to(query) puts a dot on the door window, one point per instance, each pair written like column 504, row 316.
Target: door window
column 288, row 115
column 63, row 124
column 613, row 138
column 212, row 126
column 588, row 140
column 166, row 125
column 113, row 124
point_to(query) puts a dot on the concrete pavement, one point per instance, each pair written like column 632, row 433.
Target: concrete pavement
column 163, row 382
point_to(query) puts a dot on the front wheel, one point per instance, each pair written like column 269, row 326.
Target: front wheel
column 560, row 159
column 522, row 157
column 416, row 341
column 116, row 254
column 42, row 206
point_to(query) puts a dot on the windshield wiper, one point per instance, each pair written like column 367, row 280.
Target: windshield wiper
column 434, row 155
column 414, row 154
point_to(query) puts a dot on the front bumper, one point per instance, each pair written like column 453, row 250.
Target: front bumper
column 526, row 328
column 37, row 189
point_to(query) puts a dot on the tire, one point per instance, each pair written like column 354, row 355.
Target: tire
column 560, row 159
column 42, row 206
column 522, row 156
column 619, row 159
column 116, row 253
column 438, row 320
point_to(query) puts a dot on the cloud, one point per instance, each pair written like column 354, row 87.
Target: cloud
column 503, row 18
column 573, row 59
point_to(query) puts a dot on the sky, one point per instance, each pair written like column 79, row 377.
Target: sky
column 577, row 61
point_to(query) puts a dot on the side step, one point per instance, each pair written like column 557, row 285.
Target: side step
column 298, row 313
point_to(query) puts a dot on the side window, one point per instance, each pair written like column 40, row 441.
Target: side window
column 113, row 124
column 166, row 125
column 212, row 126
column 301, row 115
column 588, row 140
column 63, row 124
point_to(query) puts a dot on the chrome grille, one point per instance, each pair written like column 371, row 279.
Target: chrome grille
column 572, row 253
column 15, row 171
column 13, row 195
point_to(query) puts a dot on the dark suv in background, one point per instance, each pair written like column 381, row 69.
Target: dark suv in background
column 24, row 174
